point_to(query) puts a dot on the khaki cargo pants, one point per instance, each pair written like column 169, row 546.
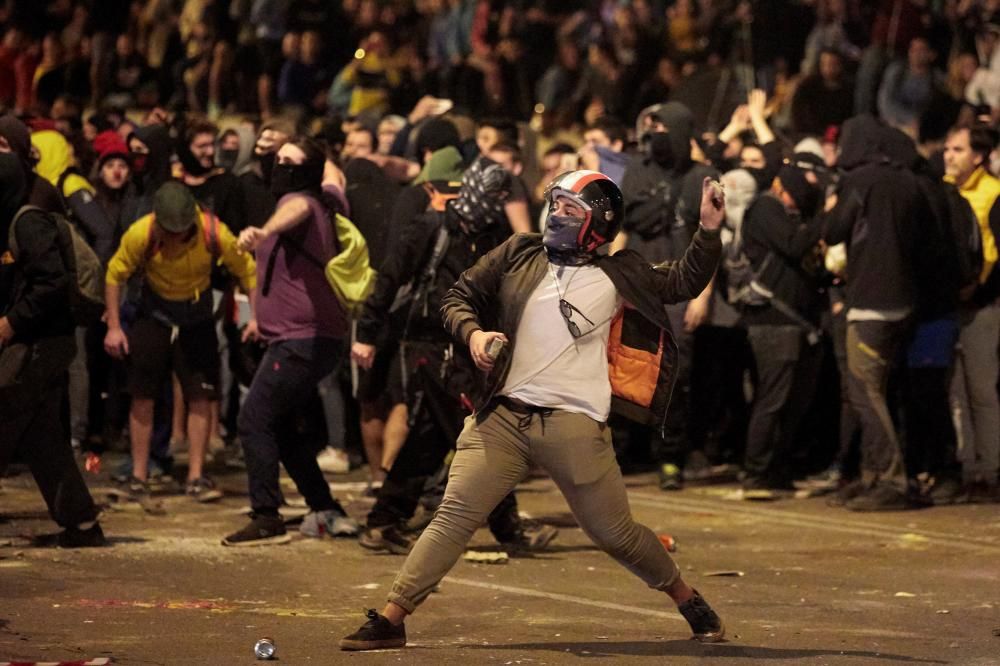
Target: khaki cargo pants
column 493, row 456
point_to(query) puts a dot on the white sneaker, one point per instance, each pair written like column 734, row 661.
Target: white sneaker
column 334, row 461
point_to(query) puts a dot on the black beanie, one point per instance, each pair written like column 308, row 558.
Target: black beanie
column 436, row 134
column 803, row 193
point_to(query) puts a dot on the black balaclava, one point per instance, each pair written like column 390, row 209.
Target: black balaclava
column 288, row 178
column 226, row 158
column 672, row 149
column 267, row 161
column 152, row 170
column 560, row 241
column 13, row 191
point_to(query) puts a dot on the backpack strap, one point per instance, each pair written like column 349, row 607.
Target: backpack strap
column 210, row 231
column 21, row 212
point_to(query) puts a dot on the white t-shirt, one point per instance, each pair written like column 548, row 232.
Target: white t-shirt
column 550, row 367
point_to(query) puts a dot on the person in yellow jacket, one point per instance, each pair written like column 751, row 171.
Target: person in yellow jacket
column 974, row 385
column 174, row 248
column 57, row 164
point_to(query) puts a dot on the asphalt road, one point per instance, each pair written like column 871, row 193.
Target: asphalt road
column 807, row 584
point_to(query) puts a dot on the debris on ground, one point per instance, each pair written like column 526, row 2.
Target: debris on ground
column 479, row 557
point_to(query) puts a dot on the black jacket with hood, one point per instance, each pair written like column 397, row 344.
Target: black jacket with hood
column 879, row 210
column 34, row 286
column 662, row 201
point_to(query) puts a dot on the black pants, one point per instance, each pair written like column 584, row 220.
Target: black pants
column 434, row 399
column 32, row 426
column 787, row 367
column 289, row 370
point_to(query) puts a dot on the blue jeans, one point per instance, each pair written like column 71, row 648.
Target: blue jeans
column 289, row 370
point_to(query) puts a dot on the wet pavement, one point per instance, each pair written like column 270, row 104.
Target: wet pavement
column 796, row 582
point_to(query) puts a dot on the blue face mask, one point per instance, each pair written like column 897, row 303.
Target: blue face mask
column 561, row 232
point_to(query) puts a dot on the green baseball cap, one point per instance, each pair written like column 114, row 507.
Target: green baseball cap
column 174, row 207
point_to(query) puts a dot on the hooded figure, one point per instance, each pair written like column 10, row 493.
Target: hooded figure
column 152, row 168
column 239, row 162
column 34, row 303
column 57, row 164
column 663, row 189
column 662, row 186
column 880, row 213
column 41, row 192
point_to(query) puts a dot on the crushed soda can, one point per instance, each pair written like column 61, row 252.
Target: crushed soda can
column 93, row 463
column 264, row 649
column 668, row 542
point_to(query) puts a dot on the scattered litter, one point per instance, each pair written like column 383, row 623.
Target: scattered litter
column 264, row 649
column 601, row 638
column 914, row 538
column 485, row 558
column 367, row 586
column 727, row 572
column 591, row 569
column 5, row 543
column 996, row 632
column 904, row 594
column 953, row 645
column 93, row 463
column 943, row 612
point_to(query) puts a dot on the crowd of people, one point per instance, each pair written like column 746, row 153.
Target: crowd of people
column 209, row 157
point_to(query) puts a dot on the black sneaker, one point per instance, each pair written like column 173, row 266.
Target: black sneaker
column 532, row 538
column 882, row 496
column 706, row 626
column 389, row 538
column 74, row 537
column 375, row 634
column 261, row 531
column 947, row 490
column 848, row 492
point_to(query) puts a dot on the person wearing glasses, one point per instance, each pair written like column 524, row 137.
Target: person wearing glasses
column 579, row 333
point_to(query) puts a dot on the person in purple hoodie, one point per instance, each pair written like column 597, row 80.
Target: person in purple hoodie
column 305, row 327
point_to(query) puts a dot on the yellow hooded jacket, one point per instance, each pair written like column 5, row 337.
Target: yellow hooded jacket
column 55, row 156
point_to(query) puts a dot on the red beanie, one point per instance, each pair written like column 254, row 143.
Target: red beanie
column 109, row 144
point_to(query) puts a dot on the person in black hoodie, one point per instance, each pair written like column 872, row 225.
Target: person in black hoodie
column 780, row 238
column 662, row 190
column 15, row 137
column 213, row 187
column 37, row 328
column 878, row 209
column 149, row 157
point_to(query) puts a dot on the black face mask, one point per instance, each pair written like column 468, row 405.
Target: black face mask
column 761, row 177
column 191, row 165
column 287, row 178
column 267, row 161
column 661, row 150
column 227, row 158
